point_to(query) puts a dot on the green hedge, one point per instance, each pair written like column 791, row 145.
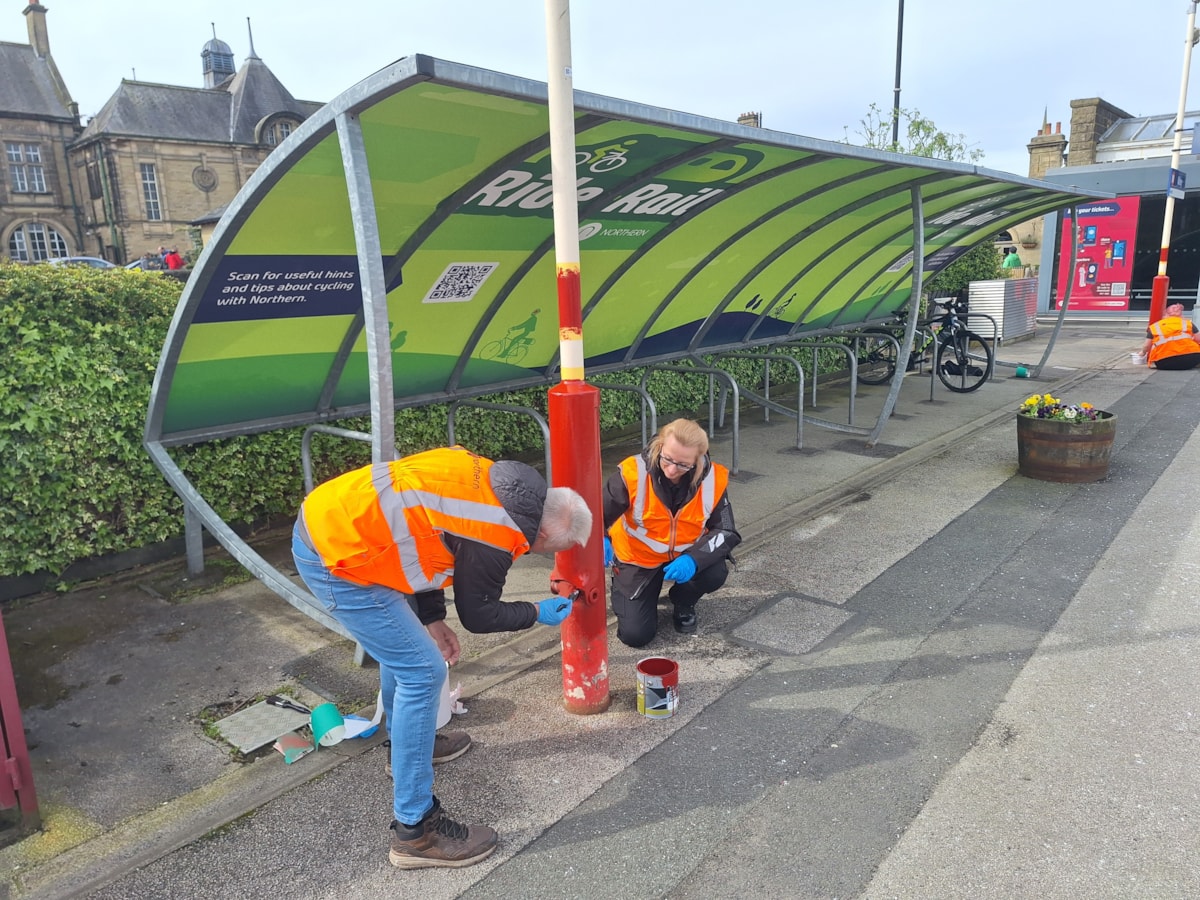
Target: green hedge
column 80, row 350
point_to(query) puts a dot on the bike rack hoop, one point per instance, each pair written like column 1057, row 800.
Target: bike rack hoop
column 647, row 402
column 852, row 359
column 502, row 407
column 306, row 447
column 765, row 401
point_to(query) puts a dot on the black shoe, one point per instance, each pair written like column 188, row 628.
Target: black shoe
column 685, row 619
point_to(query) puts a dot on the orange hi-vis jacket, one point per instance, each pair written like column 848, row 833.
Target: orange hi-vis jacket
column 647, row 535
column 382, row 524
column 1172, row 336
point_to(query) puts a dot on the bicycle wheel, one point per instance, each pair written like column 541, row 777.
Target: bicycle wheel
column 517, row 352
column 491, row 349
column 876, row 357
column 964, row 361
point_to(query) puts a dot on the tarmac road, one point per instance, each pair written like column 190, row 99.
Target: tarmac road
column 928, row 677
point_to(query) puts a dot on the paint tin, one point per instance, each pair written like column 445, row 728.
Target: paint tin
column 657, row 687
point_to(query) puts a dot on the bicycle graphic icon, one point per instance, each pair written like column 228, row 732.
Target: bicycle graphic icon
column 604, row 159
column 507, row 349
column 514, row 346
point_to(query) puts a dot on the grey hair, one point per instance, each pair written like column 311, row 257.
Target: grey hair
column 566, row 519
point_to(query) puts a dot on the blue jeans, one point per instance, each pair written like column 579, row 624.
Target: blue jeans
column 411, row 670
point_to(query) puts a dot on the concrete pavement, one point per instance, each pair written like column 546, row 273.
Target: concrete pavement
column 927, row 677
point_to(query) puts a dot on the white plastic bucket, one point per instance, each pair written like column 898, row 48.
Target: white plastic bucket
column 446, row 706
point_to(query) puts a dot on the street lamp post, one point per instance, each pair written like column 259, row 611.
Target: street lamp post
column 1158, row 293
column 896, row 90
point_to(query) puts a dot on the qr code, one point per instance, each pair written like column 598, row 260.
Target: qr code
column 459, row 282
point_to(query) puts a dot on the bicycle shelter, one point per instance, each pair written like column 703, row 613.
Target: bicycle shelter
column 387, row 253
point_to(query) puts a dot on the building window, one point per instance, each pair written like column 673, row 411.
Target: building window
column 95, row 185
column 25, row 167
column 276, row 131
column 34, row 242
column 150, row 193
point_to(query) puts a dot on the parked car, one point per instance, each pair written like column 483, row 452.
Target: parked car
column 94, row 262
column 146, row 264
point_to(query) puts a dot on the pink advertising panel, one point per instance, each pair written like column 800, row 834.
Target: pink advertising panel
column 1103, row 266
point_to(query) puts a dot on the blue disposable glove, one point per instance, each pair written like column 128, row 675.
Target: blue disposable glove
column 680, row 569
column 554, row 610
column 610, row 555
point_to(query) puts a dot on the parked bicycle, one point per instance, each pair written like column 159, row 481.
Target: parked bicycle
column 962, row 359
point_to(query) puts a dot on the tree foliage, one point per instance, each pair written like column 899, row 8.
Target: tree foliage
column 918, row 136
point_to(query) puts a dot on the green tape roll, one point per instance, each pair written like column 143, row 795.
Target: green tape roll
column 328, row 727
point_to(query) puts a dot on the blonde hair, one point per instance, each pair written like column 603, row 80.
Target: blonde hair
column 688, row 433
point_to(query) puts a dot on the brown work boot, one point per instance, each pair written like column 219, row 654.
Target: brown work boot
column 450, row 745
column 440, row 841
column 446, row 747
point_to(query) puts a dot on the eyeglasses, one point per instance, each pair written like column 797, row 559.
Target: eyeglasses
column 667, row 461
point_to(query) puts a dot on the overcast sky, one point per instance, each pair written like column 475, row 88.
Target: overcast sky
column 812, row 67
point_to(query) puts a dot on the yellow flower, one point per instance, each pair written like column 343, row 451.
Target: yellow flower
column 1085, row 405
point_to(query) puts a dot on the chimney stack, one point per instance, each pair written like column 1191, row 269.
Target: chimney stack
column 35, row 22
column 750, row 119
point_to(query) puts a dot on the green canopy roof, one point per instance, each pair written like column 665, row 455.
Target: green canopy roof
column 400, row 244
column 425, row 189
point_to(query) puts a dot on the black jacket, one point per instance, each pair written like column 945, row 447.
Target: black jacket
column 480, row 570
column 722, row 534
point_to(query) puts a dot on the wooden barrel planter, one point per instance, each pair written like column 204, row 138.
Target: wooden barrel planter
column 1072, row 452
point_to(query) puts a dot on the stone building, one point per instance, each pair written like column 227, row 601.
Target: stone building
column 39, row 213
column 153, row 160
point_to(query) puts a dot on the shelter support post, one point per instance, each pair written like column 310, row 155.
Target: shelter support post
column 374, row 291
column 910, row 323
column 1064, row 302
column 193, row 540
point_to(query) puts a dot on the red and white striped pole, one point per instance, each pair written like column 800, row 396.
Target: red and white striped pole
column 1158, row 292
column 574, row 405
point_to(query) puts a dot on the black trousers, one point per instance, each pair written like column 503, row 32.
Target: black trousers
column 634, row 594
column 1180, row 361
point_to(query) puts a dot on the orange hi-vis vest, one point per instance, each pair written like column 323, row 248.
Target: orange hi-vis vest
column 382, row 524
column 647, row 535
column 1172, row 337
